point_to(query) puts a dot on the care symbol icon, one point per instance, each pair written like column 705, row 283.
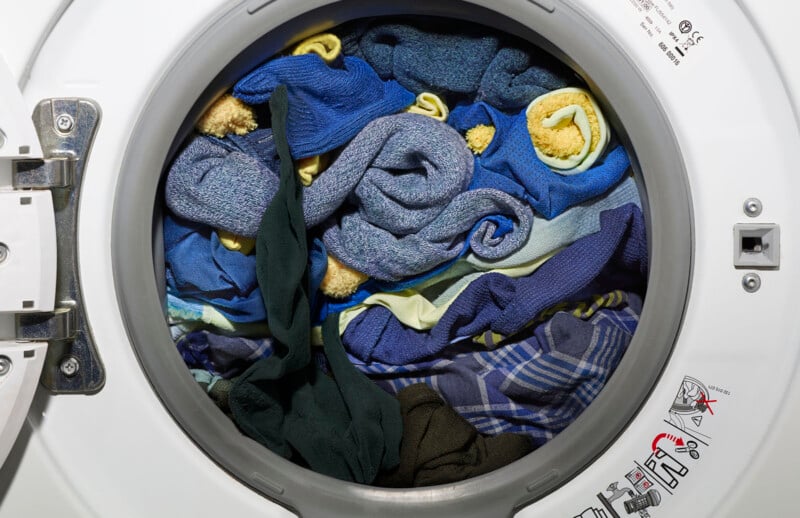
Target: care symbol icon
column 690, row 448
column 685, row 26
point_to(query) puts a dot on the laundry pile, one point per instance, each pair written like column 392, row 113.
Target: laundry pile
column 404, row 255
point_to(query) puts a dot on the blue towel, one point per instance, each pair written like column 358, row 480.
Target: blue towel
column 616, row 255
column 403, row 180
column 462, row 60
column 536, row 385
column 199, row 267
column 226, row 183
column 328, row 105
column 516, row 77
column 510, row 164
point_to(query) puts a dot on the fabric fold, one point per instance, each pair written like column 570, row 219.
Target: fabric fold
column 328, row 105
column 342, row 426
column 510, row 164
column 503, row 305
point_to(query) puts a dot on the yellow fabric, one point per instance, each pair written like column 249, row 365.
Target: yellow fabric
column 567, row 129
column 231, row 241
column 431, row 105
column 479, row 138
column 325, row 45
column 227, row 115
column 417, row 312
column 581, row 309
column 340, row 280
column 308, row 168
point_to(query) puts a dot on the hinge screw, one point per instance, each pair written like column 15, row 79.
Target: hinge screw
column 751, row 282
column 64, row 123
column 70, row 366
column 5, row 365
column 752, row 207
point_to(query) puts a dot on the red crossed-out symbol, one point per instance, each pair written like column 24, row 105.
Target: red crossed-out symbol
column 706, row 402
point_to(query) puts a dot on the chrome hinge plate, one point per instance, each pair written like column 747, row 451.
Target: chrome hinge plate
column 66, row 130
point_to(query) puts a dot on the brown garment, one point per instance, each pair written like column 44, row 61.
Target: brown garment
column 439, row 446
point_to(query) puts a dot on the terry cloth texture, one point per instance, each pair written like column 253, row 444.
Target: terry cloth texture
column 406, row 177
column 510, row 164
column 328, row 105
column 440, row 447
column 345, row 426
column 503, row 305
column 538, row 384
column 221, row 355
column 198, row 266
column 431, row 56
column 225, row 183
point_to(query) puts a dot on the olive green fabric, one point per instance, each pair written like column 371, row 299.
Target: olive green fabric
column 440, row 447
column 345, row 426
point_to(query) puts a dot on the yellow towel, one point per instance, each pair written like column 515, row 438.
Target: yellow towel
column 479, row 138
column 231, row 241
column 567, row 129
column 341, row 281
column 325, row 45
column 227, row 115
column 431, row 105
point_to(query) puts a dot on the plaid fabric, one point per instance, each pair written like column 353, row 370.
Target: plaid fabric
column 538, row 384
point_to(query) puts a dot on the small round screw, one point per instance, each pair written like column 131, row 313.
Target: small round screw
column 3, row 253
column 5, row 365
column 751, row 282
column 753, row 207
column 64, row 123
column 70, row 366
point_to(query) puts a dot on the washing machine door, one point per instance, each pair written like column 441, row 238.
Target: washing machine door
column 27, row 265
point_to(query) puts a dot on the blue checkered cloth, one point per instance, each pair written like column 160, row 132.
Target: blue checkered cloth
column 537, row 385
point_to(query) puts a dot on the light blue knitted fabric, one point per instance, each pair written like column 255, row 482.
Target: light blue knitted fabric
column 328, row 105
column 566, row 228
column 225, row 183
column 404, row 178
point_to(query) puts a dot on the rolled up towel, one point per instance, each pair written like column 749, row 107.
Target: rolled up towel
column 406, row 177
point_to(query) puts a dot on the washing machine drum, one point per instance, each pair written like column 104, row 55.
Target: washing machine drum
column 232, row 52
column 639, row 108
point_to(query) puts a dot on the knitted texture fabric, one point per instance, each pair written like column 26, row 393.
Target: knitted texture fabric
column 504, row 305
column 510, row 164
column 199, row 267
column 344, row 426
column 537, row 384
column 464, row 61
column 441, row 447
column 435, row 59
column 515, row 77
column 405, row 177
column 574, row 223
column 328, row 105
column 225, row 183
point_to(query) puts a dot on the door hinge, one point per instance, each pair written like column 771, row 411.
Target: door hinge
column 66, row 130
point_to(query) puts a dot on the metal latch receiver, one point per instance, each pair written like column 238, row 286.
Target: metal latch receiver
column 66, row 130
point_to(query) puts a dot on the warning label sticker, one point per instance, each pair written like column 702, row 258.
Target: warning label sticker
column 674, row 34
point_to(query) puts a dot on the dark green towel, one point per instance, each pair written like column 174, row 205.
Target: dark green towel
column 440, row 447
column 345, row 426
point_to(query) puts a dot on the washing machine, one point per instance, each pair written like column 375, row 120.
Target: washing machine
column 98, row 415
